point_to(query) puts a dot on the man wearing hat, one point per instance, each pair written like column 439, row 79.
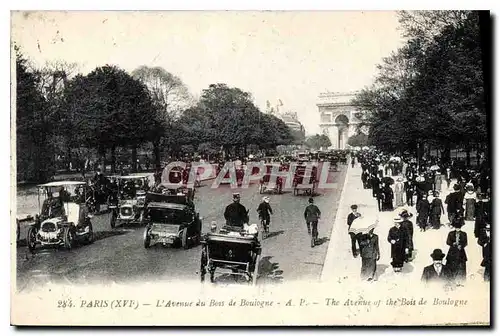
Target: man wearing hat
column 437, row 271
column 456, row 258
column 407, row 227
column 312, row 214
column 397, row 239
column 265, row 211
column 354, row 237
column 484, row 241
column 454, row 202
column 236, row 214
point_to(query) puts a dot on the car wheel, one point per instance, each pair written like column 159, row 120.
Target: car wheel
column 69, row 238
column 31, row 239
column 147, row 238
column 184, row 239
column 112, row 221
column 90, row 234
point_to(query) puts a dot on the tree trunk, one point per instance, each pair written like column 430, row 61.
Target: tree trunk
column 467, row 152
column 478, row 155
column 156, row 154
column 101, row 152
column 113, row 159
column 134, row 158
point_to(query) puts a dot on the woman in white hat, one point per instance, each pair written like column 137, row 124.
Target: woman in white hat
column 398, row 192
column 397, row 238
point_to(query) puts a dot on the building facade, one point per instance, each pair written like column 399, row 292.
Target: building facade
column 338, row 117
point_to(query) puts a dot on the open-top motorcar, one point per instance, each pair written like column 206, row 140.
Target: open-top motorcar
column 64, row 218
column 130, row 201
column 171, row 220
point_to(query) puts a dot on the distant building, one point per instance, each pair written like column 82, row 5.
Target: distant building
column 290, row 118
column 338, row 117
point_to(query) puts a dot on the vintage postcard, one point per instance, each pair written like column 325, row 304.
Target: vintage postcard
column 260, row 168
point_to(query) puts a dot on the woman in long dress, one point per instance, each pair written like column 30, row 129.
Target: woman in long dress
column 436, row 210
column 438, row 181
column 399, row 190
column 387, row 203
column 397, row 239
column 470, row 202
column 456, row 258
column 370, row 253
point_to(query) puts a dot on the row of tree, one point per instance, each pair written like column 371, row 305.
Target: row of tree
column 109, row 109
column 430, row 92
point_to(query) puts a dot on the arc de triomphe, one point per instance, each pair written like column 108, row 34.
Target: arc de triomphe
column 338, row 117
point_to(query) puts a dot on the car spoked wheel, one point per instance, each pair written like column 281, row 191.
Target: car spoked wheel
column 31, row 239
column 69, row 238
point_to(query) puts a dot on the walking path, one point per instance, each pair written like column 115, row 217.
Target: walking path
column 341, row 266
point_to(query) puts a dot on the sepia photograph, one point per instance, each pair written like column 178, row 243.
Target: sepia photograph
column 263, row 168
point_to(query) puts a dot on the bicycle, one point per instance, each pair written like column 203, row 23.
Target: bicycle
column 264, row 225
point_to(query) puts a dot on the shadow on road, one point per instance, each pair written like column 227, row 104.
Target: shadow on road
column 274, row 234
column 269, row 271
column 322, row 240
column 99, row 235
column 380, row 270
column 407, row 268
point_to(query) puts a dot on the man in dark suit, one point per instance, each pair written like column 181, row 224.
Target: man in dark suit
column 354, row 237
column 484, row 241
column 437, row 271
column 454, row 202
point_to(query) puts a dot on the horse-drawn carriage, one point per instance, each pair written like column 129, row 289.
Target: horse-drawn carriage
column 233, row 250
column 305, row 181
column 64, row 218
column 268, row 182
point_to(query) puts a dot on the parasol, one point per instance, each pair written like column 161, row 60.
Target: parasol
column 363, row 225
column 388, row 180
column 395, row 159
column 366, row 148
column 434, row 167
column 420, row 179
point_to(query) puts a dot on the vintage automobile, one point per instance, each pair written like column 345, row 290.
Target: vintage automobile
column 300, row 183
column 64, row 218
column 276, row 184
column 171, row 220
column 234, row 250
column 131, row 200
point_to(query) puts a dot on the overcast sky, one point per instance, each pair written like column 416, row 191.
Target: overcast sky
column 292, row 56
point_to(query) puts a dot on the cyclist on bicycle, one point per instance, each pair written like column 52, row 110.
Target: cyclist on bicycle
column 265, row 211
column 312, row 214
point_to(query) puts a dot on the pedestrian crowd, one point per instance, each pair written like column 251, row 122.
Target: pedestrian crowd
column 399, row 182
